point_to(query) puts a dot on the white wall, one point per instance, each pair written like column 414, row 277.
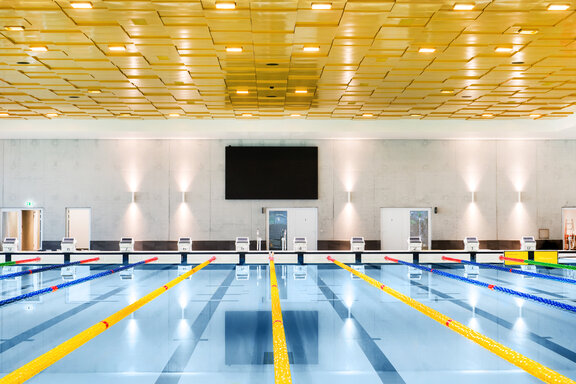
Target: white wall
column 100, row 174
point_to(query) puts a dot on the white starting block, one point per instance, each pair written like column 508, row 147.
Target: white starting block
column 68, row 273
column 414, row 273
column 528, row 268
column 10, row 244
column 242, row 272
column 415, row 244
column 357, row 244
column 300, row 244
column 68, row 244
column 127, row 274
column 126, row 244
column 471, row 244
column 300, row 272
column 471, row 271
column 182, row 269
column 185, row 244
column 527, row 243
column 242, row 244
column 358, row 268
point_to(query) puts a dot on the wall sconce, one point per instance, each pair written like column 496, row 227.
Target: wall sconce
column 473, row 196
column 349, row 196
column 183, row 196
column 133, row 196
column 519, row 196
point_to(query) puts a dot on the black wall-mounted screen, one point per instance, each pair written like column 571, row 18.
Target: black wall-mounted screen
column 279, row 173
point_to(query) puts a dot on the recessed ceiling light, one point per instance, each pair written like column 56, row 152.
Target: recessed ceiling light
column 38, row 48
column 321, row 6
column 13, row 28
column 295, row 115
column 427, row 50
column 487, row 115
column 174, row 114
column 311, row 49
column 125, row 115
column 301, row 91
column 4, row 114
column 242, row 92
column 367, row 115
column 246, row 115
column 234, row 49
column 446, row 91
column 503, row 49
column 535, row 115
column 117, row 48
column 81, row 5
column 51, row 115
column 527, row 31
column 558, row 7
column 94, row 91
column 415, row 115
column 463, row 7
column 226, row 5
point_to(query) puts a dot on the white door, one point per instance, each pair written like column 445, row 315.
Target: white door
column 398, row 224
column 297, row 222
column 78, row 226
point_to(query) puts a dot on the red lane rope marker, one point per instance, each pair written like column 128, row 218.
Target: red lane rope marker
column 512, row 259
column 387, row 258
column 451, row 259
column 448, row 323
column 89, row 260
column 106, row 324
column 54, row 288
column 27, row 261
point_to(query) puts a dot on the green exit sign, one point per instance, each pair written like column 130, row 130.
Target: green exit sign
column 29, row 204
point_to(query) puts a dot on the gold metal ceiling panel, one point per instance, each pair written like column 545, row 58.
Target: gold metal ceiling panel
column 359, row 57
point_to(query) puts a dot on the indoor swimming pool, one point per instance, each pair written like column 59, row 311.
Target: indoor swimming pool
column 216, row 326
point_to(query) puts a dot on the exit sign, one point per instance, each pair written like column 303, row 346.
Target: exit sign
column 29, row 204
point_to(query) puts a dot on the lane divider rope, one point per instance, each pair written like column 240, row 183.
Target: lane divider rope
column 539, row 263
column 532, row 367
column 10, row 263
column 527, row 296
column 514, row 270
column 48, row 268
column 282, row 373
column 71, row 282
column 42, row 362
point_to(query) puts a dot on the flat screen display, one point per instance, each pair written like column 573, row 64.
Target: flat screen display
column 278, row 173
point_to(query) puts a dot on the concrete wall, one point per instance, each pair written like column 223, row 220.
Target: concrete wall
column 101, row 174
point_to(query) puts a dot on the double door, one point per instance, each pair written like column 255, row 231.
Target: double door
column 287, row 223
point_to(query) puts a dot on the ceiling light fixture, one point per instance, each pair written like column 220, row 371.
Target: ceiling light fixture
column 242, row 92
column 527, row 31
column 487, row 115
column 321, row 6
column 416, row 115
column 301, row 91
column 51, row 115
column 312, row 49
column 81, row 5
column 13, row 28
column 447, row 91
column 246, row 115
column 427, row 50
column 503, row 49
column 368, row 115
column 295, row 115
column 125, row 115
column 174, row 114
column 535, row 115
column 117, row 48
column 38, row 48
column 94, row 91
column 234, row 49
column 4, row 114
column 226, row 5
column 463, row 7
column 558, row 7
